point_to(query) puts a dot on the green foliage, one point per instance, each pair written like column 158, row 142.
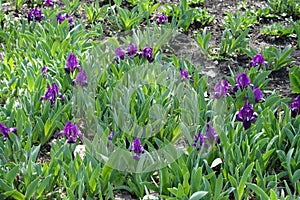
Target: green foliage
column 277, row 58
column 277, row 29
column 284, row 7
column 185, row 15
column 203, row 41
column 94, row 13
column 132, row 97
column 296, row 27
column 231, row 44
column 294, row 75
column 238, row 23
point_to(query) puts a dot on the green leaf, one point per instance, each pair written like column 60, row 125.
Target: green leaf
column 93, row 179
column 218, row 186
column 296, row 176
column 4, row 186
column 198, row 195
column 15, row 194
column 258, row 191
column 244, row 178
column 31, row 188
column 42, row 186
column 273, row 195
column 164, row 180
column 294, row 75
column 10, row 176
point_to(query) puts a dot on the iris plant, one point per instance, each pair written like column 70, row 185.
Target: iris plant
column 44, row 71
column 246, row 115
column 72, row 63
column 210, row 138
column 131, row 49
column 185, row 75
column 162, row 19
column 81, row 79
column 52, row 93
column 221, row 89
column 242, row 81
column 61, row 19
column 137, row 148
column 35, row 14
column 111, row 135
column 258, row 60
column 147, row 53
column 5, row 130
column 71, row 132
column 295, row 107
column 49, row 3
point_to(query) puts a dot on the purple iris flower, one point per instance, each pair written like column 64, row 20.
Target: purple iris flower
column 210, row 138
column 162, row 18
column 199, row 140
column 61, row 19
column 70, row 19
column 185, row 75
column 5, row 130
column 51, row 94
column 120, row 53
column 111, row 135
column 246, row 115
column 137, row 148
column 221, row 89
column 211, row 135
column 295, row 107
column 49, row 3
column 242, row 81
column 35, row 14
column 258, row 95
column 147, row 53
column 81, row 79
column 131, row 49
column 258, row 60
column 44, row 71
column 71, row 132
column 72, row 63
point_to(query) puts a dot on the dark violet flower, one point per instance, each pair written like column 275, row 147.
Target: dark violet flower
column 44, row 71
column 131, row 49
column 162, row 18
column 5, row 130
column 70, row 19
column 295, row 107
column 258, row 95
column 246, row 115
column 111, row 135
column 81, row 79
column 35, row 14
column 120, row 53
column 258, row 60
column 221, row 89
column 185, row 75
column 211, row 135
column 60, row 18
column 52, row 93
column 137, row 148
column 147, row 53
column 242, row 81
column 71, row 132
column 72, row 63
column 49, row 3
column 199, row 140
